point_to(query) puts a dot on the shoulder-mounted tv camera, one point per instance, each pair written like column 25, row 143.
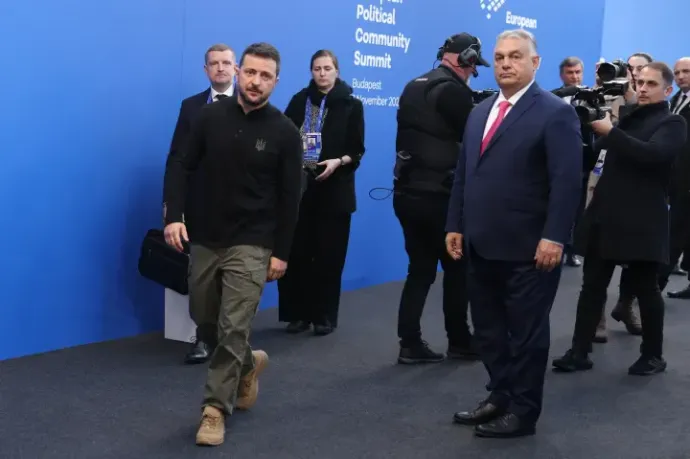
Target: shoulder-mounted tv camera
column 591, row 104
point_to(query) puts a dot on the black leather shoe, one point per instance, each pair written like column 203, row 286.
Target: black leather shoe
column 507, row 426
column 419, row 352
column 323, row 329
column 572, row 361
column 485, row 412
column 647, row 366
column 199, row 353
column 462, row 353
column 297, row 326
column 680, row 294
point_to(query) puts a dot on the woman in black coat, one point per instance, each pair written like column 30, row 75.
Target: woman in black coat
column 333, row 137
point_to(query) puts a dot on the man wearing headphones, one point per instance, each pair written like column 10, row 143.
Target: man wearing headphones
column 431, row 117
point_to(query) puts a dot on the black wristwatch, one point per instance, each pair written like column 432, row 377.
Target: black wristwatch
column 342, row 162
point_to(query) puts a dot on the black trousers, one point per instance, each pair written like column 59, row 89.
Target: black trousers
column 626, row 289
column 423, row 221
column 679, row 218
column 666, row 270
column 511, row 303
column 310, row 289
column 642, row 280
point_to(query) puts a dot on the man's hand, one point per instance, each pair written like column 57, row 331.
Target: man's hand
column 174, row 234
column 276, row 269
column 331, row 166
column 548, row 256
column 603, row 127
column 630, row 95
column 454, row 245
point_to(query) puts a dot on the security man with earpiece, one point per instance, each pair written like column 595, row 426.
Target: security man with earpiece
column 433, row 109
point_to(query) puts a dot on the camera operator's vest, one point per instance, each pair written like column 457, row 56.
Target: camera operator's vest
column 427, row 147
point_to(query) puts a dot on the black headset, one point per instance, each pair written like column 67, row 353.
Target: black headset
column 466, row 58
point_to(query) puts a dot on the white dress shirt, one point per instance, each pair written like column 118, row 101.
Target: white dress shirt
column 229, row 92
column 493, row 114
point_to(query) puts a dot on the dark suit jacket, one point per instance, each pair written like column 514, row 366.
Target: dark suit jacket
column 342, row 134
column 679, row 191
column 189, row 109
column 526, row 186
column 680, row 181
column 629, row 204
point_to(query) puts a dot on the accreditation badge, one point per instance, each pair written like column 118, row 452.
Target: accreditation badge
column 312, row 147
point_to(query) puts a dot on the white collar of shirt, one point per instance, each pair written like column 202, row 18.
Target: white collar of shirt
column 677, row 109
column 228, row 93
column 514, row 99
column 493, row 114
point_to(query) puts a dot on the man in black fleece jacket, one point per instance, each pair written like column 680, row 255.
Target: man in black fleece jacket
column 247, row 159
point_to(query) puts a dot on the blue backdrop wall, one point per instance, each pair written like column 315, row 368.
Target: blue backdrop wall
column 91, row 92
column 622, row 37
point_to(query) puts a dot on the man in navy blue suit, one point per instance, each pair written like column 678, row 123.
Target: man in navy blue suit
column 514, row 200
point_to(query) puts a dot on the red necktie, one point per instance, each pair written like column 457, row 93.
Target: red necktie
column 502, row 109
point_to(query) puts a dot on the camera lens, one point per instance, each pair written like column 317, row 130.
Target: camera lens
column 608, row 71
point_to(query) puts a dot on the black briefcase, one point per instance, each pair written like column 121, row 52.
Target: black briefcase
column 163, row 264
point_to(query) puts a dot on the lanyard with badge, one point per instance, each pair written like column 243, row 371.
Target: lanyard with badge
column 312, row 134
column 599, row 165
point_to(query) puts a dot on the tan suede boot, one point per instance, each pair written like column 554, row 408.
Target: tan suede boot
column 248, row 390
column 626, row 311
column 212, row 429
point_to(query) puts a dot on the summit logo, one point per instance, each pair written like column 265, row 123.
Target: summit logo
column 491, row 7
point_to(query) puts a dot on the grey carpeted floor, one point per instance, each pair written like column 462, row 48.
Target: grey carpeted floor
column 342, row 396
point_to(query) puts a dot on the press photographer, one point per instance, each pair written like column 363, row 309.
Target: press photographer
column 626, row 310
column 614, row 94
column 627, row 219
column 431, row 121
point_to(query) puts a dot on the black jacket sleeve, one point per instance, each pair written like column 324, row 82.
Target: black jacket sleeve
column 455, row 104
column 182, row 127
column 295, row 110
column 289, row 191
column 180, row 166
column 661, row 148
column 355, row 134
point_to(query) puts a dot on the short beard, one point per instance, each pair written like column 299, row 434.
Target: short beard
column 250, row 103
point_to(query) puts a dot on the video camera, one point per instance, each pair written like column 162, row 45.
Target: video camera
column 591, row 104
column 479, row 96
column 610, row 71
